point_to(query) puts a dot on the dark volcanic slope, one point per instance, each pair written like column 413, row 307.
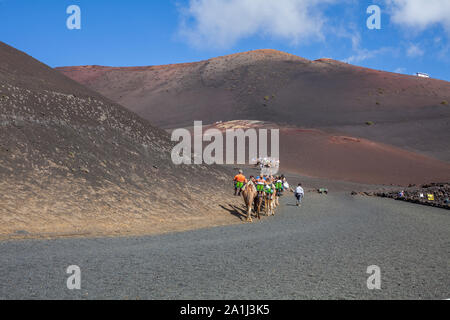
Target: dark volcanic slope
column 409, row 112
column 71, row 161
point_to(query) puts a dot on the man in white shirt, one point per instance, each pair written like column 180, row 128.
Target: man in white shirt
column 299, row 194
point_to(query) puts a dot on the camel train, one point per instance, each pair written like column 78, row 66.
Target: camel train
column 254, row 199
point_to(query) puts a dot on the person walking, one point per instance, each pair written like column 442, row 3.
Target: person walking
column 299, row 194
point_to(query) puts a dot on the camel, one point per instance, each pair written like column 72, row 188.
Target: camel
column 257, row 205
column 249, row 193
column 270, row 201
column 277, row 198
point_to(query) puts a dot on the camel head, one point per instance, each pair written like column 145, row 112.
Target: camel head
column 248, row 184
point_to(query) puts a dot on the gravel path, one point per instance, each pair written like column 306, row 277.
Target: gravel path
column 321, row 250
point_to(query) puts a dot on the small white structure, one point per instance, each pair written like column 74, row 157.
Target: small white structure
column 422, row 75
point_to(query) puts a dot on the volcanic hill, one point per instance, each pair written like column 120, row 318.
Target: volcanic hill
column 268, row 85
column 75, row 163
column 337, row 120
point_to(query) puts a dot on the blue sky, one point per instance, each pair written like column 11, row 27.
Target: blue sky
column 414, row 35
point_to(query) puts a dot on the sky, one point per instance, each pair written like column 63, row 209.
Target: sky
column 413, row 35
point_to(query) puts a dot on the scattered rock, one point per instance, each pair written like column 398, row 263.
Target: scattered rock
column 434, row 194
column 22, row 232
column 84, row 169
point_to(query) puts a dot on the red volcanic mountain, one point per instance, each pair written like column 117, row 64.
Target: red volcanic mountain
column 268, row 85
column 407, row 113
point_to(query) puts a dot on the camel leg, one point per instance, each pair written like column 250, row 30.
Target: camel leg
column 272, row 205
column 255, row 207
column 269, row 206
column 249, row 213
column 259, row 208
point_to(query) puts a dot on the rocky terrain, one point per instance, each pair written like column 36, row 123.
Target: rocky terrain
column 439, row 192
column 318, row 251
column 75, row 163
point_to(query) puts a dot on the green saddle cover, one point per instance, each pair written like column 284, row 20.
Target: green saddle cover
column 268, row 190
column 239, row 185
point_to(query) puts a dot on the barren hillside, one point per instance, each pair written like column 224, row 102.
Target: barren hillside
column 407, row 112
column 73, row 162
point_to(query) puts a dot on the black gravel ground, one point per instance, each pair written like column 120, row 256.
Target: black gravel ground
column 321, row 250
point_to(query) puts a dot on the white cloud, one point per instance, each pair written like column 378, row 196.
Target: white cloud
column 420, row 14
column 414, row 51
column 444, row 53
column 366, row 54
column 222, row 23
column 361, row 54
column 351, row 32
column 400, row 70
